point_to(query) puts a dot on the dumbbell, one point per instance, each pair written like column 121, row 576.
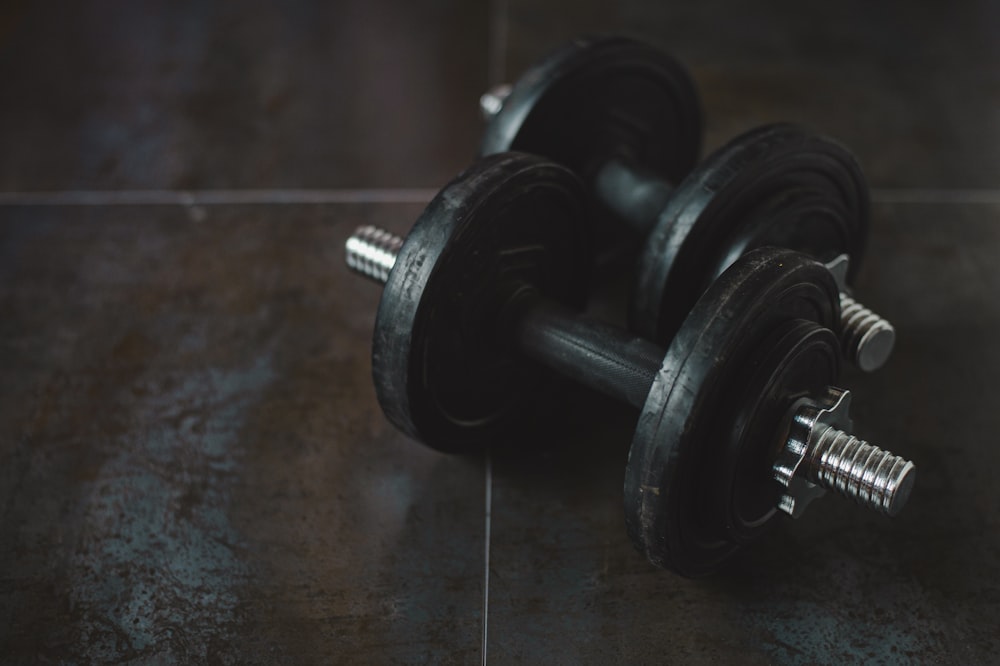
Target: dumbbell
column 626, row 118
column 738, row 418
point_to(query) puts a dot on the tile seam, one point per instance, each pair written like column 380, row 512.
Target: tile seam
column 215, row 197
column 375, row 195
column 935, row 196
column 488, row 514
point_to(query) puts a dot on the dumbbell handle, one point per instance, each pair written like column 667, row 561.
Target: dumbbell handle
column 634, row 195
column 602, row 357
column 611, row 361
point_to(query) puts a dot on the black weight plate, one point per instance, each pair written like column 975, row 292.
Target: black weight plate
column 442, row 373
column 697, row 483
column 602, row 98
column 778, row 185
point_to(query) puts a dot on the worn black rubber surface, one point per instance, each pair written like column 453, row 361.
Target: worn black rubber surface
column 778, row 185
column 599, row 99
column 441, row 373
column 698, row 484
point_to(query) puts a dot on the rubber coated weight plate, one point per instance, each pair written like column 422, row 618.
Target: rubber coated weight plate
column 598, row 99
column 441, row 373
column 778, row 185
column 697, row 482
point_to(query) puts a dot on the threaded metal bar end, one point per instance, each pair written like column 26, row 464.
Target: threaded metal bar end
column 372, row 252
column 874, row 478
column 491, row 102
column 867, row 338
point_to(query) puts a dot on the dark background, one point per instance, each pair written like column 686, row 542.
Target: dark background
column 193, row 466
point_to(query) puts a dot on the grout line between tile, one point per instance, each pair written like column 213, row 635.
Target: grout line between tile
column 497, row 73
column 270, row 197
column 266, row 197
column 486, row 551
column 935, row 196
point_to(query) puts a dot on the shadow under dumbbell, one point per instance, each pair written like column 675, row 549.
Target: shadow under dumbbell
column 579, row 435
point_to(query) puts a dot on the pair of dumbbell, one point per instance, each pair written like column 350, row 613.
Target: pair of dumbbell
column 739, row 419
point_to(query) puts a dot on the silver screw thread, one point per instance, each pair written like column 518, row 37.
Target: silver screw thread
column 867, row 338
column 372, row 252
column 854, row 468
column 493, row 99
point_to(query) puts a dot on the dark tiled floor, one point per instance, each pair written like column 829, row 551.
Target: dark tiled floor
column 194, row 462
column 256, row 94
column 193, row 466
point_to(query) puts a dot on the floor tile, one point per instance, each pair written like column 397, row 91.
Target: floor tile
column 214, row 95
column 193, row 465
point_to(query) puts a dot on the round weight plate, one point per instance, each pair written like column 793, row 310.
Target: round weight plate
column 778, row 185
column 697, row 483
column 442, row 373
column 598, row 99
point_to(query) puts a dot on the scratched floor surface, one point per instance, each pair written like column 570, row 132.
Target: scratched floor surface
column 193, row 465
